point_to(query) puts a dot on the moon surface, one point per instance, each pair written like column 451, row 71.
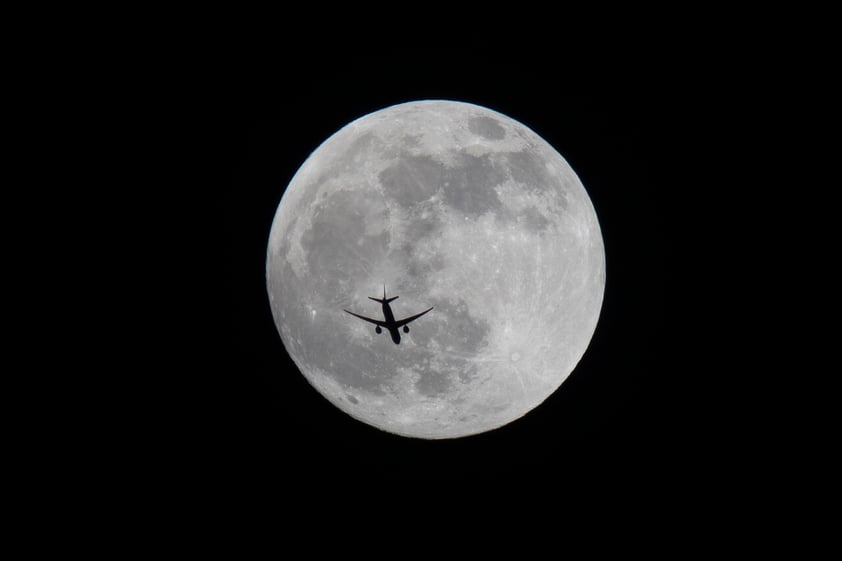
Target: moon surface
column 450, row 205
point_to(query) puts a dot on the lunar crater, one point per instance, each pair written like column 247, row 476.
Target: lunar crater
column 487, row 127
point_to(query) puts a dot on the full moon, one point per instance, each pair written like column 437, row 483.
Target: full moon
column 449, row 205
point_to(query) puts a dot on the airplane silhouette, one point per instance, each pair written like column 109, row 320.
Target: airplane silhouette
column 389, row 322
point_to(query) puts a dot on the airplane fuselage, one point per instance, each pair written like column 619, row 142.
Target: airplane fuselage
column 389, row 318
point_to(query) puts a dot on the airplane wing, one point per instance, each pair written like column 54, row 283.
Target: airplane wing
column 374, row 321
column 402, row 322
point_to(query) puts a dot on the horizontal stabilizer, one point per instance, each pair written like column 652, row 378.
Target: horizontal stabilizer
column 382, row 301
